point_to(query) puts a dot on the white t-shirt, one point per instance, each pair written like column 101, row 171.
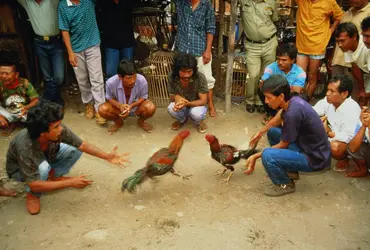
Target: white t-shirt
column 361, row 56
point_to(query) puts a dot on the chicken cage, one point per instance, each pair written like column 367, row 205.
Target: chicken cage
column 159, row 66
column 239, row 80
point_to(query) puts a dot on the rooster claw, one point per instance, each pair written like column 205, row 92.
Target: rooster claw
column 186, row 177
column 220, row 172
column 225, row 180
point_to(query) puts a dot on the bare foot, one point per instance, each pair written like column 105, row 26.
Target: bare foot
column 7, row 192
column 212, row 111
column 113, row 129
column 144, row 125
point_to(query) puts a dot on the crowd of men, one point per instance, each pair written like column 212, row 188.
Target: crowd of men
column 302, row 137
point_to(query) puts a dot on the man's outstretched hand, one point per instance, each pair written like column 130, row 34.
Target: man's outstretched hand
column 116, row 158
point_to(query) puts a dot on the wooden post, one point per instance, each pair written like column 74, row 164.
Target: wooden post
column 221, row 10
column 230, row 56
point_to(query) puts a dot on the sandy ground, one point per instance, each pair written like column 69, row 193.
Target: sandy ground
column 328, row 211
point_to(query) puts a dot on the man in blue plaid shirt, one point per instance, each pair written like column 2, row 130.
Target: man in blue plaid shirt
column 196, row 28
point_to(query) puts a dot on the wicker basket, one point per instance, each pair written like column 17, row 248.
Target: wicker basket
column 160, row 65
column 240, row 75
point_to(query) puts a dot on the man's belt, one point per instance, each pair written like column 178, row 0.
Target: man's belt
column 46, row 38
column 261, row 42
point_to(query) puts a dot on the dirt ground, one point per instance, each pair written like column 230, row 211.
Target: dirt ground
column 328, row 211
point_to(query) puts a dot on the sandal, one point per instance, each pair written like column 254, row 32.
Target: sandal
column 202, row 127
column 177, row 125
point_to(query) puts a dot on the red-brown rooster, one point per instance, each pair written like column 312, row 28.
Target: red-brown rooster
column 160, row 163
column 227, row 155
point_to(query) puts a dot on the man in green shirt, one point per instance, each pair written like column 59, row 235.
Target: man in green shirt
column 17, row 96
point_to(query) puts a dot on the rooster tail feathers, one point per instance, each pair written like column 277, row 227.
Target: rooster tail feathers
column 245, row 154
column 131, row 182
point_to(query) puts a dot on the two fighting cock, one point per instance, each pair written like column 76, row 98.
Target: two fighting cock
column 162, row 161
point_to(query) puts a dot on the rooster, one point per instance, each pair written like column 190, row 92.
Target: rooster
column 227, row 155
column 160, row 163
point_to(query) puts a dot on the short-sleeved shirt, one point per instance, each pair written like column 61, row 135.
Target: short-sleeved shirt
column 356, row 19
column 115, row 90
column 15, row 99
column 198, row 84
column 295, row 77
column 361, row 56
column 303, row 126
column 313, row 25
column 43, row 16
column 193, row 26
column 80, row 21
column 25, row 155
column 343, row 120
column 258, row 19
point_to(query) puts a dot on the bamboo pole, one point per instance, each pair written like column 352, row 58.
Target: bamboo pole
column 230, row 56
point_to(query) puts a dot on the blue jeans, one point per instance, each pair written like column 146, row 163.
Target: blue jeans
column 51, row 58
column 114, row 56
column 278, row 162
column 66, row 158
column 196, row 114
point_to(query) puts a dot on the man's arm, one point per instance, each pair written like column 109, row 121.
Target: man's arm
column 355, row 144
column 274, row 122
column 114, row 103
column 200, row 102
column 92, row 150
column 48, row 186
column 210, row 24
column 71, row 55
column 32, row 103
column 358, row 75
column 337, row 15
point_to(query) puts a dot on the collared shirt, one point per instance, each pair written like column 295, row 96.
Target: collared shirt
column 295, row 77
column 43, row 16
column 115, row 90
column 361, row 56
column 343, row 121
column 356, row 19
column 198, row 84
column 116, row 36
column 25, row 155
column 80, row 21
column 313, row 25
column 258, row 17
column 193, row 26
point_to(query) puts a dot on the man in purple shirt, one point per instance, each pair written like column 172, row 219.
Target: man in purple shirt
column 127, row 95
column 300, row 145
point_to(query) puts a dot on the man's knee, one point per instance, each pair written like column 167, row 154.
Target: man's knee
column 338, row 149
column 198, row 113
column 267, row 157
column 103, row 109
column 44, row 169
column 148, row 108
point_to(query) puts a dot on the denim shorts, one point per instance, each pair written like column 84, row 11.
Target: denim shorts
column 314, row 57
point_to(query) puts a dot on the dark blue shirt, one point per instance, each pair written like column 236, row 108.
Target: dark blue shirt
column 303, row 126
column 193, row 26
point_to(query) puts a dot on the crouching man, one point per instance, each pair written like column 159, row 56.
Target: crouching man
column 42, row 153
column 188, row 92
column 127, row 95
column 301, row 145
column 359, row 147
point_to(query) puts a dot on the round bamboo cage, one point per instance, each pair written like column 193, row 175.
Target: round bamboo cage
column 239, row 81
column 160, row 65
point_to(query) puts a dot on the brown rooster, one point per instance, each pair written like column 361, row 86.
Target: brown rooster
column 160, row 163
column 227, row 155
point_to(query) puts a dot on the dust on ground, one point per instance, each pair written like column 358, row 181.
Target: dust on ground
column 328, row 211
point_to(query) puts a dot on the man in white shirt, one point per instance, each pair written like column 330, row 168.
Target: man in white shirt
column 340, row 114
column 359, row 147
column 355, row 52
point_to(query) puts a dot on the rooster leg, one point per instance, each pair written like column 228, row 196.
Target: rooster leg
column 221, row 172
column 174, row 172
column 228, row 178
